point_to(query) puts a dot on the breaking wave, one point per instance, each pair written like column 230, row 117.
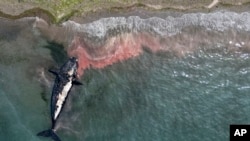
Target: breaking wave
column 109, row 40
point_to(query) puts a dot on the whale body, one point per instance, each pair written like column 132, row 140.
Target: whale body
column 65, row 79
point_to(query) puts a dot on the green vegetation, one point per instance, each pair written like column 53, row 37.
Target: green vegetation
column 57, row 11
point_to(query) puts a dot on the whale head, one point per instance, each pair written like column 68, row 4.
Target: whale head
column 70, row 67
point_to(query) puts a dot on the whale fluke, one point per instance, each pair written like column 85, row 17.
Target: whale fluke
column 49, row 133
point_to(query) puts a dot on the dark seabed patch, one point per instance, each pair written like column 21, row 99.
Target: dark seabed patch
column 57, row 52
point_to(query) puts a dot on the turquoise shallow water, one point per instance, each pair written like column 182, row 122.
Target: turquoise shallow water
column 152, row 97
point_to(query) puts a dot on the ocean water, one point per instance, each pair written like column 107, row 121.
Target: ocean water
column 167, row 95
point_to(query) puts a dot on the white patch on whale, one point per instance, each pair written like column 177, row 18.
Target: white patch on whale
column 71, row 72
column 61, row 98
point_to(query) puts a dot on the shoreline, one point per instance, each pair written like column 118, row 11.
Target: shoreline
column 110, row 40
column 121, row 10
column 98, row 44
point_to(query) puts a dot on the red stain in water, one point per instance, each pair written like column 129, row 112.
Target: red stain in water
column 116, row 49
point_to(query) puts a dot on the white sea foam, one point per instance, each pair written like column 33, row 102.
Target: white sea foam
column 216, row 21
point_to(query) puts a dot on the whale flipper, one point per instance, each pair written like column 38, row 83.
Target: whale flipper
column 55, row 72
column 76, row 82
column 49, row 133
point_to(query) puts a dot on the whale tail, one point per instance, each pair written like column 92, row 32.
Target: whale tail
column 49, row 133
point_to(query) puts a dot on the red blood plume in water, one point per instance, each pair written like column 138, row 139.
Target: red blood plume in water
column 115, row 49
